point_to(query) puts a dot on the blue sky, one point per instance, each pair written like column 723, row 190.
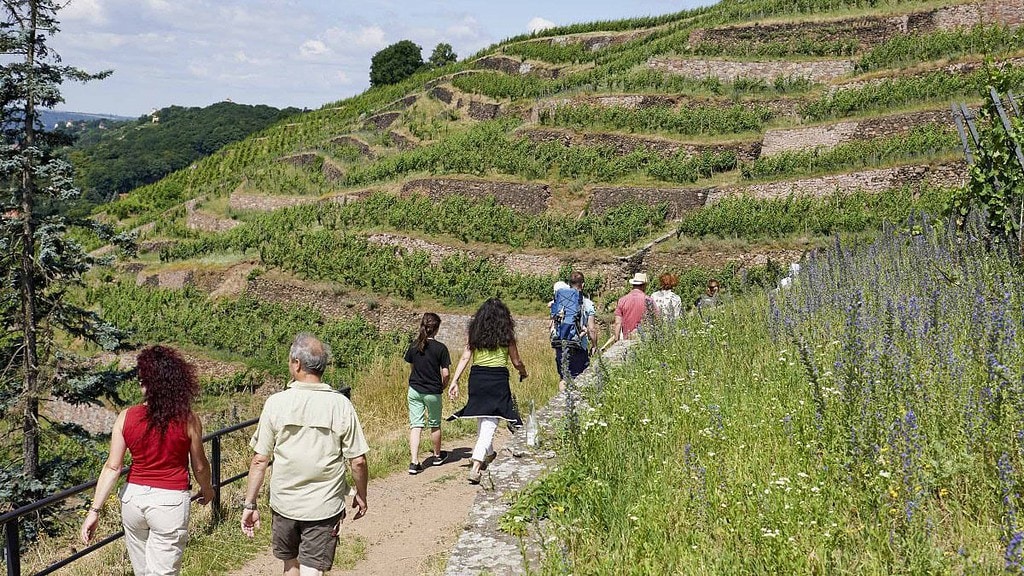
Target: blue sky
column 301, row 53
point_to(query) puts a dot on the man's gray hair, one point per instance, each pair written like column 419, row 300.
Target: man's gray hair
column 311, row 353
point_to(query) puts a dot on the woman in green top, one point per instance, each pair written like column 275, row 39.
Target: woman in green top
column 491, row 347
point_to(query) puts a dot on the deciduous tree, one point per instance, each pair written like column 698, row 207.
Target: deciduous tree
column 395, row 63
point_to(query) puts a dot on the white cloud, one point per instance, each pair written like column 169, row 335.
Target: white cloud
column 88, row 11
column 313, row 49
column 342, row 78
column 368, row 37
column 536, row 24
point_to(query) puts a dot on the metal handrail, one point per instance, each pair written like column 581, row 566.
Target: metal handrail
column 9, row 520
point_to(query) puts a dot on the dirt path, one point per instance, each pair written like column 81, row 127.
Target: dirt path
column 413, row 521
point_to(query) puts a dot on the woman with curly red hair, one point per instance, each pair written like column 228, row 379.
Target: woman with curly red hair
column 163, row 436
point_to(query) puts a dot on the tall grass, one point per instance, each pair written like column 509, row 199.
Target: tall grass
column 867, row 421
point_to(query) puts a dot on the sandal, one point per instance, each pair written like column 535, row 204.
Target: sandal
column 474, row 477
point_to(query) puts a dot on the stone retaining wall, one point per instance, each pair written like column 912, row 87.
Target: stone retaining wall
column 527, row 198
column 624, row 144
column 867, row 31
column 356, row 143
column 768, row 71
column 781, row 107
column 596, row 40
column 958, row 68
column 441, row 94
column 872, row 181
column 679, row 200
column 829, row 135
column 481, row 111
column 197, row 220
column 516, row 67
column 300, row 160
column 382, row 121
column 403, row 141
column 331, row 171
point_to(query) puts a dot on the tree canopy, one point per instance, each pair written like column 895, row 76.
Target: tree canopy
column 395, row 63
column 443, row 55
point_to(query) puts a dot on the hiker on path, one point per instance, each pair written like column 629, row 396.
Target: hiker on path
column 631, row 309
column 429, row 374
column 669, row 304
column 491, row 347
column 308, row 430
column 164, row 436
column 573, row 329
column 709, row 299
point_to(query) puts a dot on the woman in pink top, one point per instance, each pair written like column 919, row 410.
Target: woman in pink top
column 163, row 436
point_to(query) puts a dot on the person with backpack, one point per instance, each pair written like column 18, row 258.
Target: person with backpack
column 429, row 374
column 573, row 329
column 631, row 309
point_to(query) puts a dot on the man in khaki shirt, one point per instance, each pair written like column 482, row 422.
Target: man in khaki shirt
column 308, row 431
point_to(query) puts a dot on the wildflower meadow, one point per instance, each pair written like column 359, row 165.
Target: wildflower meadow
column 865, row 420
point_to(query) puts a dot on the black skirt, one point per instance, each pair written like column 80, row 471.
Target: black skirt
column 490, row 396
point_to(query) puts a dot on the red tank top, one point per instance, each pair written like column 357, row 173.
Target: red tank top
column 157, row 462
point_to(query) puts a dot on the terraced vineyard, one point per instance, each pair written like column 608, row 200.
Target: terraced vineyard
column 725, row 141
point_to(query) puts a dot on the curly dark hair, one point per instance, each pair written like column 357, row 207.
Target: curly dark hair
column 169, row 386
column 492, row 326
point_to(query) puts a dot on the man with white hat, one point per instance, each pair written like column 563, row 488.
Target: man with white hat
column 630, row 310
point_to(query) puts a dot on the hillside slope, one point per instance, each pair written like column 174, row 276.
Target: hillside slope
column 721, row 142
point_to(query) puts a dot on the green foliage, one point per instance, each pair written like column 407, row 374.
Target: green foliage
column 750, row 218
column 395, row 63
column 819, row 45
column 137, row 153
column 256, row 333
column 996, row 182
column 556, row 53
column 921, row 141
column 897, row 92
column 695, row 120
column 488, row 147
column 864, row 421
column 905, row 49
column 442, row 55
column 314, row 242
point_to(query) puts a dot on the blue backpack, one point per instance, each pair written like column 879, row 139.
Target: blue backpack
column 567, row 328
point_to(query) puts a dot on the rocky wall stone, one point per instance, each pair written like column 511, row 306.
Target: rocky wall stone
column 382, row 121
column 482, row 111
column 300, row 160
column 172, row 279
column 198, row 220
column 331, row 171
column 516, row 67
column 524, row 197
column 871, row 181
column 866, row 31
column 624, row 144
column 437, row 252
column 262, row 203
column 441, row 94
column 958, row 68
column 403, row 141
column 356, row 143
column 679, row 200
column 768, row 70
column 829, row 135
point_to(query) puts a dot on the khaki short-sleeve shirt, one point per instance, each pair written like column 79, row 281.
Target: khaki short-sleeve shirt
column 309, row 431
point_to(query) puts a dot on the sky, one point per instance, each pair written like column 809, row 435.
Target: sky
column 302, row 53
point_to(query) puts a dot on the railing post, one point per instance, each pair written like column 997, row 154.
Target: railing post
column 215, row 477
column 12, row 548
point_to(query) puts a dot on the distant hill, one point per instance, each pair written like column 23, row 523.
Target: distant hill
column 52, row 119
column 113, row 158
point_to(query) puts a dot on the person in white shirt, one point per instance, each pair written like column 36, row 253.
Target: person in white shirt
column 669, row 304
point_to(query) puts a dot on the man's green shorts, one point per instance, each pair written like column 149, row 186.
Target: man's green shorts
column 420, row 403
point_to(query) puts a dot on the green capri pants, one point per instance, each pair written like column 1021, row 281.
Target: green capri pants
column 424, row 409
